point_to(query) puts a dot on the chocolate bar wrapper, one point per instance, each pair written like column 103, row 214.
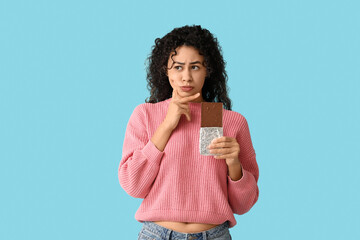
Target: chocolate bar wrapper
column 207, row 134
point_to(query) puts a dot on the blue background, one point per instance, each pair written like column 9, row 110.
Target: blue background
column 73, row 71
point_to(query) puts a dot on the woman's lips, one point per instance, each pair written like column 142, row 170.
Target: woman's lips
column 186, row 89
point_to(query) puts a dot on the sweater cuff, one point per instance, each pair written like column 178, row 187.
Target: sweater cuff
column 151, row 152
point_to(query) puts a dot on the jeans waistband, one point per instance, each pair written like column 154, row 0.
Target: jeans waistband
column 213, row 232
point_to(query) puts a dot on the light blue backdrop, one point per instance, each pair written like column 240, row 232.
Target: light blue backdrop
column 71, row 73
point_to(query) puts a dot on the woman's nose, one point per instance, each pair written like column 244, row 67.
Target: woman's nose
column 187, row 75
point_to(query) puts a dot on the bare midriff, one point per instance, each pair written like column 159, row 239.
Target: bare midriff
column 186, row 227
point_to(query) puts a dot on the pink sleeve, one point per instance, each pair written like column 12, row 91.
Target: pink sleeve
column 141, row 159
column 244, row 192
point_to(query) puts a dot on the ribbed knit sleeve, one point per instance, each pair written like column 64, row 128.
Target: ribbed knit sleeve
column 141, row 159
column 244, row 192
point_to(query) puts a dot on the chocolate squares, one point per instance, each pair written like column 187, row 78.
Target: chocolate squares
column 211, row 114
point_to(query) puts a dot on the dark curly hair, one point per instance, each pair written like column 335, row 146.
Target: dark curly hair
column 214, row 89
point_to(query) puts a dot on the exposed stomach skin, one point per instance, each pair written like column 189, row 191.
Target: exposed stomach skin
column 186, row 227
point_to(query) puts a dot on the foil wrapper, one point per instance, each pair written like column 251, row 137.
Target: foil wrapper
column 207, row 134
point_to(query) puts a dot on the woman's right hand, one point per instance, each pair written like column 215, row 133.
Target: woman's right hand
column 178, row 106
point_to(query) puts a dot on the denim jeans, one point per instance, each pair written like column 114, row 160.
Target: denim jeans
column 153, row 231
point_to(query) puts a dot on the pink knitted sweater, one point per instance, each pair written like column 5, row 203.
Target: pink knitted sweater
column 179, row 184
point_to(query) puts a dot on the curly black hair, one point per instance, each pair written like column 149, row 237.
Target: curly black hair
column 214, row 89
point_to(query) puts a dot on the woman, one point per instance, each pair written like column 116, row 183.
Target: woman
column 187, row 195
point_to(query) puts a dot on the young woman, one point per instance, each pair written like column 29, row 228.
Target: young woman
column 187, row 195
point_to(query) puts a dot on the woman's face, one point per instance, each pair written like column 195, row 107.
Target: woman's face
column 187, row 70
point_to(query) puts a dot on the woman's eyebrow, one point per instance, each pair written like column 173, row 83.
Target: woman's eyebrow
column 190, row 63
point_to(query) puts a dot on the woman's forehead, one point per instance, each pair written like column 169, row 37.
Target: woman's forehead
column 186, row 54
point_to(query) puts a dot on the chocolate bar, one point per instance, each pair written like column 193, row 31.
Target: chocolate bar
column 211, row 114
column 211, row 125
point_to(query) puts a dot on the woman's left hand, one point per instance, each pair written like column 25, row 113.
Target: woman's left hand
column 225, row 148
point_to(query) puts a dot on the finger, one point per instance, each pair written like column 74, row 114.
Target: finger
column 189, row 98
column 218, row 146
column 221, row 145
column 215, row 140
column 218, row 156
column 225, row 156
column 222, row 139
column 223, row 153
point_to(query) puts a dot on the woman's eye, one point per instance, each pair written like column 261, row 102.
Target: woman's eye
column 179, row 67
